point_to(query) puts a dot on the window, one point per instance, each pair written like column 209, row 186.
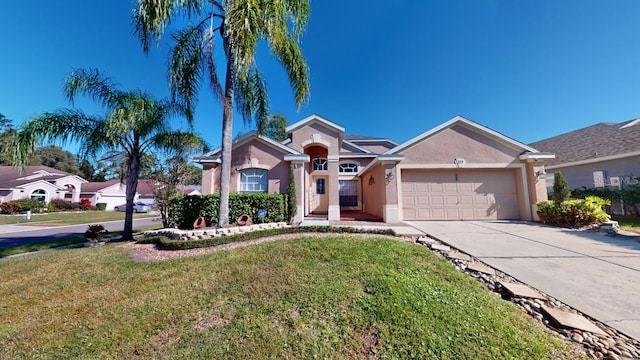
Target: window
column 39, row 195
column 254, row 181
column 320, row 187
column 348, row 193
column 349, row 168
column 319, row 164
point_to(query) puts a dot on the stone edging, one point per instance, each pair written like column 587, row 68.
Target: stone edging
column 177, row 234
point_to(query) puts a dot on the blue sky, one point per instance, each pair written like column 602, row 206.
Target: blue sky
column 388, row 68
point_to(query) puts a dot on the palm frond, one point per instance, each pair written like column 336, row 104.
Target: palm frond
column 65, row 125
column 243, row 26
column 252, row 99
column 150, row 18
column 92, row 83
column 180, row 142
column 186, row 66
column 290, row 56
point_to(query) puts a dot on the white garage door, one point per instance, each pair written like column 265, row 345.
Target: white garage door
column 459, row 195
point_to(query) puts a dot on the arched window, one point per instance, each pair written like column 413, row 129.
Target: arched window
column 319, row 164
column 254, row 180
column 349, row 168
column 39, row 195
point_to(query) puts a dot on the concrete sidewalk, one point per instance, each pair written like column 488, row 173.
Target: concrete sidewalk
column 17, row 228
column 594, row 273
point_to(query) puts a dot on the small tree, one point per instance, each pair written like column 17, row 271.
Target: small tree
column 561, row 190
column 291, row 195
column 168, row 175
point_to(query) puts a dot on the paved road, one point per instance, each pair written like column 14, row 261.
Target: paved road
column 11, row 235
column 597, row 274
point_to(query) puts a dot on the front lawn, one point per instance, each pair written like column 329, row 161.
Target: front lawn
column 67, row 218
column 334, row 297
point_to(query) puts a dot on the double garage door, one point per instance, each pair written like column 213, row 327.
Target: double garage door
column 461, row 194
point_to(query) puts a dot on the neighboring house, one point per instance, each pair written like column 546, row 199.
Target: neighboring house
column 598, row 156
column 192, row 189
column 111, row 192
column 458, row 170
column 40, row 183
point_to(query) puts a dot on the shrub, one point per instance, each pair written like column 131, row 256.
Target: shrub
column 86, row 204
column 184, row 210
column 292, row 207
column 576, row 212
column 59, row 205
column 10, row 207
column 101, row 206
column 95, row 232
column 31, row 205
column 561, row 190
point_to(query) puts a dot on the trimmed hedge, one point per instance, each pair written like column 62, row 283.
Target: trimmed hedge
column 165, row 243
column 101, row 206
column 184, row 210
column 575, row 212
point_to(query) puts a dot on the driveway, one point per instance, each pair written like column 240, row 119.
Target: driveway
column 596, row 274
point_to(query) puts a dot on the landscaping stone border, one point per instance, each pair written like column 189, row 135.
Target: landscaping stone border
column 207, row 233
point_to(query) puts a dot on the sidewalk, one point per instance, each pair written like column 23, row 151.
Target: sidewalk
column 15, row 228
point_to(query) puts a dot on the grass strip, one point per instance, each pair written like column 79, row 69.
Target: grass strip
column 67, row 218
column 62, row 241
column 629, row 223
column 41, row 245
column 165, row 243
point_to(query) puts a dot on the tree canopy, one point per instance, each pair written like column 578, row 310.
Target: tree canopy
column 240, row 25
column 134, row 124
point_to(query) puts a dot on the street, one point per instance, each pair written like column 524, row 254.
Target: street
column 12, row 235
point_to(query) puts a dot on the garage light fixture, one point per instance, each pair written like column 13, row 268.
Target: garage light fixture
column 389, row 177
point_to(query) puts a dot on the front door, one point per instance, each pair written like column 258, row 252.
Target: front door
column 320, row 195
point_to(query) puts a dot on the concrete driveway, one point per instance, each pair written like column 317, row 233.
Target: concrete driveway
column 597, row 274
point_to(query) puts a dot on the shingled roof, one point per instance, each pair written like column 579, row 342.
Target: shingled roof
column 593, row 142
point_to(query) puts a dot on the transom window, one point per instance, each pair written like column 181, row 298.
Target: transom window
column 254, row 181
column 349, row 168
column 319, row 164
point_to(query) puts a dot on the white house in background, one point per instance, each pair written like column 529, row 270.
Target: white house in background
column 111, row 192
column 40, row 183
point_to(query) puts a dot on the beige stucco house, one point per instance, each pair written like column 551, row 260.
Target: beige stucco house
column 458, row 170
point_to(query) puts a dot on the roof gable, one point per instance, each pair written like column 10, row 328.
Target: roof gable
column 214, row 155
column 92, row 187
column 350, row 147
column 315, row 119
column 473, row 126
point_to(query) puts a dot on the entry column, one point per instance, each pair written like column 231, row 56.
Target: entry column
column 334, row 188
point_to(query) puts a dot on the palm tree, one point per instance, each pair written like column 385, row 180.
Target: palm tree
column 240, row 24
column 134, row 124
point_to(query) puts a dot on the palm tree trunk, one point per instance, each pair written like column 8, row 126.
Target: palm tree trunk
column 227, row 143
column 132, row 186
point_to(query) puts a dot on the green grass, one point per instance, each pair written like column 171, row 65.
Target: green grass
column 337, row 297
column 62, row 241
column 629, row 223
column 67, row 218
